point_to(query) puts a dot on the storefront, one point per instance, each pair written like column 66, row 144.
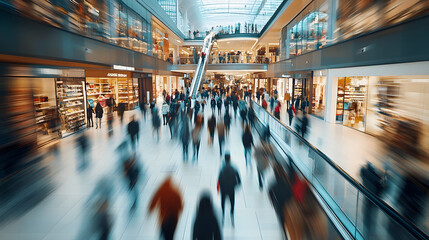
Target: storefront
column 71, row 103
column 160, row 43
column 319, row 94
column 103, row 85
column 383, row 104
column 302, row 88
column 52, row 98
column 351, row 101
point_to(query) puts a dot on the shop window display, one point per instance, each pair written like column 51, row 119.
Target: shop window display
column 71, row 103
column 308, row 31
column 351, row 102
column 319, row 93
column 45, row 107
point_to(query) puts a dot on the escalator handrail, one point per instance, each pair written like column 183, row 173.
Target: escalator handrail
column 411, row 227
column 199, row 72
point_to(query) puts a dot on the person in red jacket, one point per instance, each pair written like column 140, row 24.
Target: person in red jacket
column 169, row 201
column 264, row 104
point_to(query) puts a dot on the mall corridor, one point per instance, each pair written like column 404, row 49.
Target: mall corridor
column 63, row 213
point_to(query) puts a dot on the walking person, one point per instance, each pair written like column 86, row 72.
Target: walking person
column 247, row 139
column 235, row 106
column 89, row 119
column 206, row 225
column 213, row 104
column 170, row 204
column 133, row 130
column 373, row 181
column 228, row 181
column 304, row 124
column 227, row 121
column 203, row 104
column 132, row 172
column 110, row 121
column 262, row 155
column 211, row 125
column 185, row 137
column 219, row 105
column 164, row 110
column 121, row 110
column 196, row 139
column 290, row 114
column 196, row 110
column 272, row 101
column 156, row 122
column 98, row 115
column 143, row 110
column 221, row 135
column 277, row 110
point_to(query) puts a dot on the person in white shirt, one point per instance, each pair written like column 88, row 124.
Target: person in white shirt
column 164, row 110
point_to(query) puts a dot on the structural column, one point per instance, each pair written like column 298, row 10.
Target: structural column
column 331, row 97
column 176, row 54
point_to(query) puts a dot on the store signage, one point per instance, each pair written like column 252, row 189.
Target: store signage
column 125, row 68
column 285, row 75
column 116, row 75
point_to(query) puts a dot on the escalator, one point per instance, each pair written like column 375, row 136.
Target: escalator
column 201, row 66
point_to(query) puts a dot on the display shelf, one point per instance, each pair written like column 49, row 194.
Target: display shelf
column 68, row 114
column 72, row 99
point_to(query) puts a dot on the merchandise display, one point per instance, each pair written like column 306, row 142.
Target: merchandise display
column 71, row 103
column 351, row 102
column 121, row 90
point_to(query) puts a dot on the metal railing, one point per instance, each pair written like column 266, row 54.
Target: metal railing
column 348, row 200
column 202, row 64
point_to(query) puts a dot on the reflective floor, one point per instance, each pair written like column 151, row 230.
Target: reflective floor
column 63, row 213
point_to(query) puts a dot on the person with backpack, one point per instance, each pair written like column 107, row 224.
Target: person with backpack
column 228, row 181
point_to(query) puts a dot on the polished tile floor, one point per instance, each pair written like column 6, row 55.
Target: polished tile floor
column 63, row 213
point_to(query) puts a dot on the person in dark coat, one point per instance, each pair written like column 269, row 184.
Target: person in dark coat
column 373, row 181
column 185, row 136
column 304, row 124
column 143, row 110
column 290, row 114
column 133, row 130
column 98, row 115
column 196, row 110
column 235, row 106
column 219, row 105
column 89, row 119
column 297, row 103
column 121, row 110
column 132, row 172
column 266, row 134
column 227, row 121
column 251, row 116
column 280, row 192
column 213, row 104
column 203, row 104
column 228, row 181
column 243, row 115
column 156, row 122
column 211, row 125
column 83, row 145
column 247, row 139
column 206, row 225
